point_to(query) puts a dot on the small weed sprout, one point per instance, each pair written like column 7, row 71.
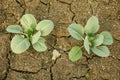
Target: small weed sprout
column 30, row 33
column 92, row 41
column 87, row 75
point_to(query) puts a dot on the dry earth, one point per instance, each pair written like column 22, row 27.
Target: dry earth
column 32, row 65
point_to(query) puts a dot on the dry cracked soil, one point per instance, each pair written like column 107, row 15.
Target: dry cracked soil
column 32, row 65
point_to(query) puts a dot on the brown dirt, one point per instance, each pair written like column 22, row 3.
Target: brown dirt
column 32, row 65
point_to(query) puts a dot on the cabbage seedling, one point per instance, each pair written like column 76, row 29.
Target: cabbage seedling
column 92, row 41
column 30, row 33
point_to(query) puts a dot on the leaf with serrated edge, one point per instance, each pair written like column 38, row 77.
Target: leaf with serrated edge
column 28, row 21
column 36, row 37
column 76, row 31
column 101, row 51
column 92, row 25
column 86, row 44
column 108, row 40
column 45, row 26
column 98, row 40
column 75, row 53
column 40, row 45
column 19, row 44
column 14, row 29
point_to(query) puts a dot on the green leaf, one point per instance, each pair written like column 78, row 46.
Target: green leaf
column 28, row 21
column 36, row 37
column 45, row 26
column 19, row 44
column 98, row 40
column 40, row 45
column 108, row 40
column 101, row 51
column 92, row 25
column 75, row 53
column 76, row 31
column 87, row 75
column 86, row 44
column 14, row 29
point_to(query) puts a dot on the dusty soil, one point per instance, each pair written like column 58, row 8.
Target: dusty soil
column 32, row 65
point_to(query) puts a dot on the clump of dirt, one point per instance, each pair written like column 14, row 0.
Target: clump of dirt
column 32, row 65
column 104, row 68
column 67, row 69
column 41, row 75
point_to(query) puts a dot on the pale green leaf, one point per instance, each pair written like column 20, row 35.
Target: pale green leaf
column 92, row 25
column 28, row 21
column 108, row 40
column 87, row 44
column 45, row 26
column 76, row 31
column 40, row 45
column 36, row 37
column 87, row 75
column 75, row 53
column 101, row 51
column 14, row 29
column 98, row 40
column 19, row 44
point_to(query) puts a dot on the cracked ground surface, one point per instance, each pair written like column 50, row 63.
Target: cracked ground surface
column 32, row 65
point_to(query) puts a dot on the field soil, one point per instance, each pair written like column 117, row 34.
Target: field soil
column 32, row 65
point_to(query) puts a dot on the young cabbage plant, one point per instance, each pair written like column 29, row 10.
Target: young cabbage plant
column 92, row 42
column 30, row 33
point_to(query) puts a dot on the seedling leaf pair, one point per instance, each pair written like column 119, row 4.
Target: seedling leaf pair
column 28, row 21
column 40, row 45
column 21, row 42
column 75, row 53
column 98, row 40
column 108, row 40
column 92, row 42
column 36, row 37
column 14, row 29
column 102, row 51
column 76, row 31
column 45, row 27
column 92, row 25
column 86, row 44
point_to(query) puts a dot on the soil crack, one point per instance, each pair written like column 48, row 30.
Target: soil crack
column 73, row 17
column 51, row 73
column 69, row 9
column 23, row 6
column 8, row 67
column 77, row 77
column 28, row 72
column 63, row 2
column 44, row 3
column 93, row 11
